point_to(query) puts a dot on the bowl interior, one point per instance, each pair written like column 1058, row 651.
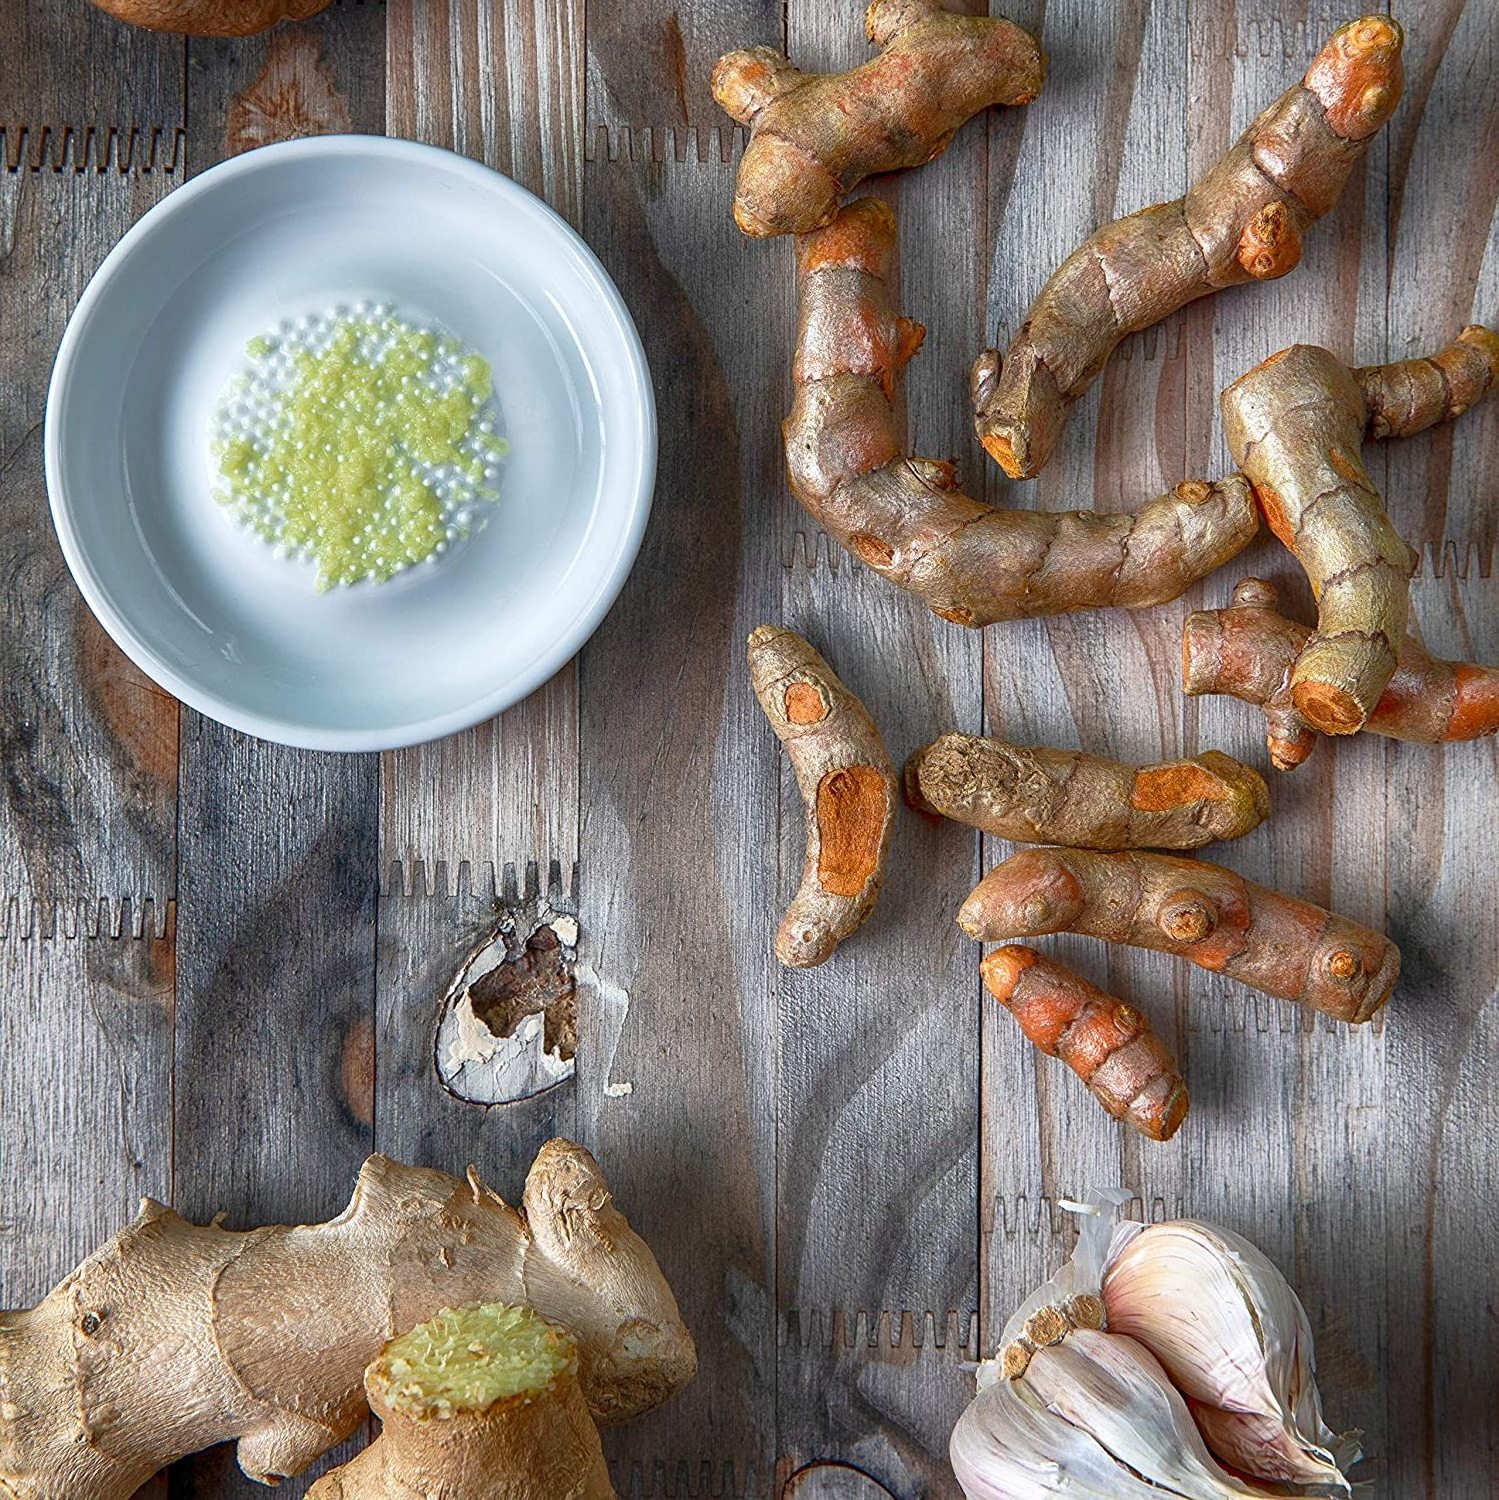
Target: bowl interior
column 205, row 606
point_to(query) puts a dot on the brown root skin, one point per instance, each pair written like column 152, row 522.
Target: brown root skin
column 1247, row 651
column 814, row 137
column 211, row 17
column 526, row 1447
column 848, row 785
column 1243, row 221
column 1036, row 795
column 1407, row 397
column 176, row 1336
column 1108, row 1044
column 908, row 519
column 1201, row 912
column 1295, row 425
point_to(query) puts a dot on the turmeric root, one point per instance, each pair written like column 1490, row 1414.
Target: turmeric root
column 847, row 782
column 479, row 1403
column 1042, row 796
column 814, row 137
column 175, row 1336
column 211, row 17
column 1202, row 912
column 1247, row 651
column 1242, row 222
column 1108, row 1044
column 907, row 518
column 1295, row 425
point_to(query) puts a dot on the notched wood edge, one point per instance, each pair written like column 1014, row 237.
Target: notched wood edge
column 509, row 883
column 683, row 1479
column 103, row 918
column 952, row 1333
column 703, row 145
column 126, row 150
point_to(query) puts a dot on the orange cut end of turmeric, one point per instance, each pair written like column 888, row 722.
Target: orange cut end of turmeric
column 1165, row 788
column 1327, row 707
column 1001, row 448
column 1273, row 508
column 803, row 704
column 851, row 820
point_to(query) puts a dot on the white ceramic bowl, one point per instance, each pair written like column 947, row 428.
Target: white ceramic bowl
column 205, row 607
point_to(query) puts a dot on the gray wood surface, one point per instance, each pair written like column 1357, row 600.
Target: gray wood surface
column 220, row 961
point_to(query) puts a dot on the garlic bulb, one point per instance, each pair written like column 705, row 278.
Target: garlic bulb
column 1155, row 1355
column 1092, row 1416
column 1235, row 1340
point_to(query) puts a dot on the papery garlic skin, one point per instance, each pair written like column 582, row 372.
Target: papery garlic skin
column 1094, row 1417
column 1235, row 1340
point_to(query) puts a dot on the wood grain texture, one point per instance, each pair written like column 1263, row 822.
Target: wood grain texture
column 1439, row 1217
column 851, row 1175
column 68, row 67
column 679, row 779
column 502, row 83
column 275, row 1043
column 88, row 745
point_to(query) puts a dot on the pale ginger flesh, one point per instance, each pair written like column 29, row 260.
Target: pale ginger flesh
column 479, row 1403
column 814, row 137
column 1037, row 795
column 1108, row 1044
column 1247, row 651
column 176, row 1336
column 1243, row 221
column 847, row 783
column 908, row 519
column 1295, row 425
column 211, row 17
column 1210, row 916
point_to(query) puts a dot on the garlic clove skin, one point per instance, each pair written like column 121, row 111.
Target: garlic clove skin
column 1093, row 1417
column 1234, row 1338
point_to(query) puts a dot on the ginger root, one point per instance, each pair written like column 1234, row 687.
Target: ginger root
column 1201, row 912
column 1242, row 222
column 1247, row 651
column 478, row 1403
column 1035, row 795
column 211, row 17
column 1295, row 425
column 814, row 137
column 907, row 518
column 1108, row 1044
column 847, row 782
column 175, row 1336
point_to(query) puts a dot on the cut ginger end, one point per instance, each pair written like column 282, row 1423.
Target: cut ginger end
column 851, row 810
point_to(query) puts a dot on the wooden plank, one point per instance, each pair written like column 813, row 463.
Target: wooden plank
column 275, row 1045
column 878, row 1057
column 88, row 801
column 1101, row 681
column 1442, row 1437
column 503, row 84
column 1306, row 1181
column 78, row 84
column 679, row 794
column 1109, row 683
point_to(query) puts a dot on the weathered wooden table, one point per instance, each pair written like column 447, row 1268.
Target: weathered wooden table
column 221, row 959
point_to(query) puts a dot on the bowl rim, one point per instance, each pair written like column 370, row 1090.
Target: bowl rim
column 289, row 730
